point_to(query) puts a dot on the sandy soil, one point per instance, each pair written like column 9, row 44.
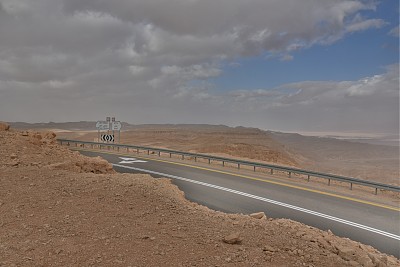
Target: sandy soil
column 59, row 208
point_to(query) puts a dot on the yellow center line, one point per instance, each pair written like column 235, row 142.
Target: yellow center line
column 250, row 178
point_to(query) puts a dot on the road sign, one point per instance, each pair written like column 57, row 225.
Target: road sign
column 116, row 126
column 107, row 137
column 103, row 125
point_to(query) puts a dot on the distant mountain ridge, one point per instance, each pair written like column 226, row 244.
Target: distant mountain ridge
column 91, row 125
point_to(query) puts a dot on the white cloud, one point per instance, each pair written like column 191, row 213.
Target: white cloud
column 80, row 59
column 394, row 32
column 370, row 104
column 365, row 24
column 286, row 57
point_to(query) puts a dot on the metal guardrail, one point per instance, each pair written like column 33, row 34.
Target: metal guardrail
column 210, row 158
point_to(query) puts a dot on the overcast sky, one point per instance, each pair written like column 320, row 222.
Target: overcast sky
column 290, row 65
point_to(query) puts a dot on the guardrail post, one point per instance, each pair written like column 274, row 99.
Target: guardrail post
column 376, row 191
column 254, row 169
column 209, row 161
column 183, row 157
column 272, row 171
column 290, row 174
column 195, row 159
column 223, row 163
column 351, row 186
column 137, row 150
column 170, row 155
column 148, row 152
column 308, row 178
column 329, row 182
column 238, row 165
column 159, row 153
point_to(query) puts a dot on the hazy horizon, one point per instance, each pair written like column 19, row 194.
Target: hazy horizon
column 391, row 139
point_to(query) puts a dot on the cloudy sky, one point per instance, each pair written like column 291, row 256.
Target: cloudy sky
column 290, row 65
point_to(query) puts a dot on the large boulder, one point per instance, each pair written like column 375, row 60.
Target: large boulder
column 258, row 215
column 233, row 238
column 93, row 165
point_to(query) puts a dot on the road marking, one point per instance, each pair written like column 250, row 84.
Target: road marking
column 329, row 217
column 130, row 160
column 255, row 179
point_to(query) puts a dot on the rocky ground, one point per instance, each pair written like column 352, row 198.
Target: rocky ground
column 59, row 208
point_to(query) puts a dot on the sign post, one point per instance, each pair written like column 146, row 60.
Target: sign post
column 110, row 124
column 108, row 119
column 116, row 126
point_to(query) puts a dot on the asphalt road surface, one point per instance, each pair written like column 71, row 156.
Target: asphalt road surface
column 360, row 221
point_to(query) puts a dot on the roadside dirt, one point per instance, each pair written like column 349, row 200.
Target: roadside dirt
column 59, row 208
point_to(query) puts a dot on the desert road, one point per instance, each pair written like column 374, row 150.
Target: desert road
column 375, row 225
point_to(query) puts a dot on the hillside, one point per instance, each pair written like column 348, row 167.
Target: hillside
column 60, row 208
column 365, row 161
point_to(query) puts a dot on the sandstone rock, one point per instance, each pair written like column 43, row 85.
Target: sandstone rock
column 49, row 135
column 13, row 156
column 35, row 142
column 309, row 237
column 258, row 215
column 269, row 248
column 346, row 253
column 96, row 165
column 25, row 133
column 93, row 165
column 233, row 238
column 38, row 136
column 4, row 126
column 300, row 234
column 15, row 163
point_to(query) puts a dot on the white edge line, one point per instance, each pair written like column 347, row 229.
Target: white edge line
column 329, row 217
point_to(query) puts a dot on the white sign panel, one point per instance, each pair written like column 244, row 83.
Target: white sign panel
column 116, row 126
column 103, row 125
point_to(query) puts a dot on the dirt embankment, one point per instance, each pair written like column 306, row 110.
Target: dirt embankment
column 59, row 208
